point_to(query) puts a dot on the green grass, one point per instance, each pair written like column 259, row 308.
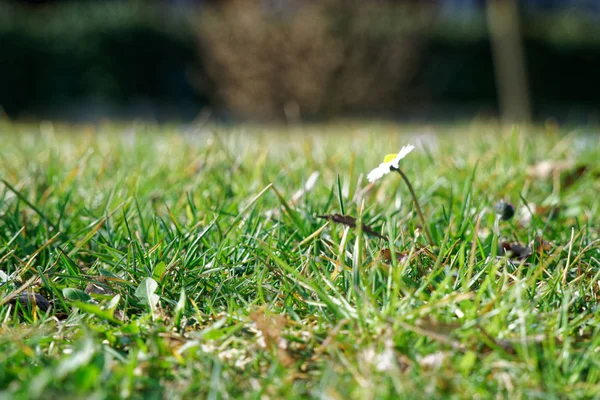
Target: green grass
column 222, row 282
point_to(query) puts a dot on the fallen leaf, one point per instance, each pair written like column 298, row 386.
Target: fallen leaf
column 271, row 327
column 99, row 288
column 386, row 256
column 540, row 244
column 514, row 250
column 351, row 222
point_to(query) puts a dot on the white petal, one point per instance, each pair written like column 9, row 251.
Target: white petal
column 377, row 173
column 384, row 167
column 404, row 151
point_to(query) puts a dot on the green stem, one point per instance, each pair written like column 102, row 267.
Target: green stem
column 414, row 196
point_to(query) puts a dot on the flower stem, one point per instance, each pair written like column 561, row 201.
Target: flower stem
column 414, row 196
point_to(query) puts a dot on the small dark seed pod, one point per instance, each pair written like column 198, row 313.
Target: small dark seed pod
column 505, row 210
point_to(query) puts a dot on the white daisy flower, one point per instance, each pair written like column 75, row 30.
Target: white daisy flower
column 391, row 160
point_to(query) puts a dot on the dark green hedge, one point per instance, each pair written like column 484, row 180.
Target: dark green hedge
column 562, row 54
column 117, row 53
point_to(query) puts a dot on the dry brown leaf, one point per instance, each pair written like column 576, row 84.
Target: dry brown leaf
column 433, row 325
column 385, row 256
column 540, row 244
column 514, row 250
column 99, row 288
column 271, row 327
column 351, row 222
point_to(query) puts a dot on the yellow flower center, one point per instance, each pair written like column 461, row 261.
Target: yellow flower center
column 389, row 157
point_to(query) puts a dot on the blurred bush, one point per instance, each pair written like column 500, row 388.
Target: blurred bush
column 310, row 58
column 264, row 62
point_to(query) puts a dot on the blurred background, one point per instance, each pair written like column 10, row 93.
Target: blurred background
column 300, row 60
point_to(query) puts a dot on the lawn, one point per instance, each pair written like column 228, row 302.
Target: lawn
column 179, row 262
